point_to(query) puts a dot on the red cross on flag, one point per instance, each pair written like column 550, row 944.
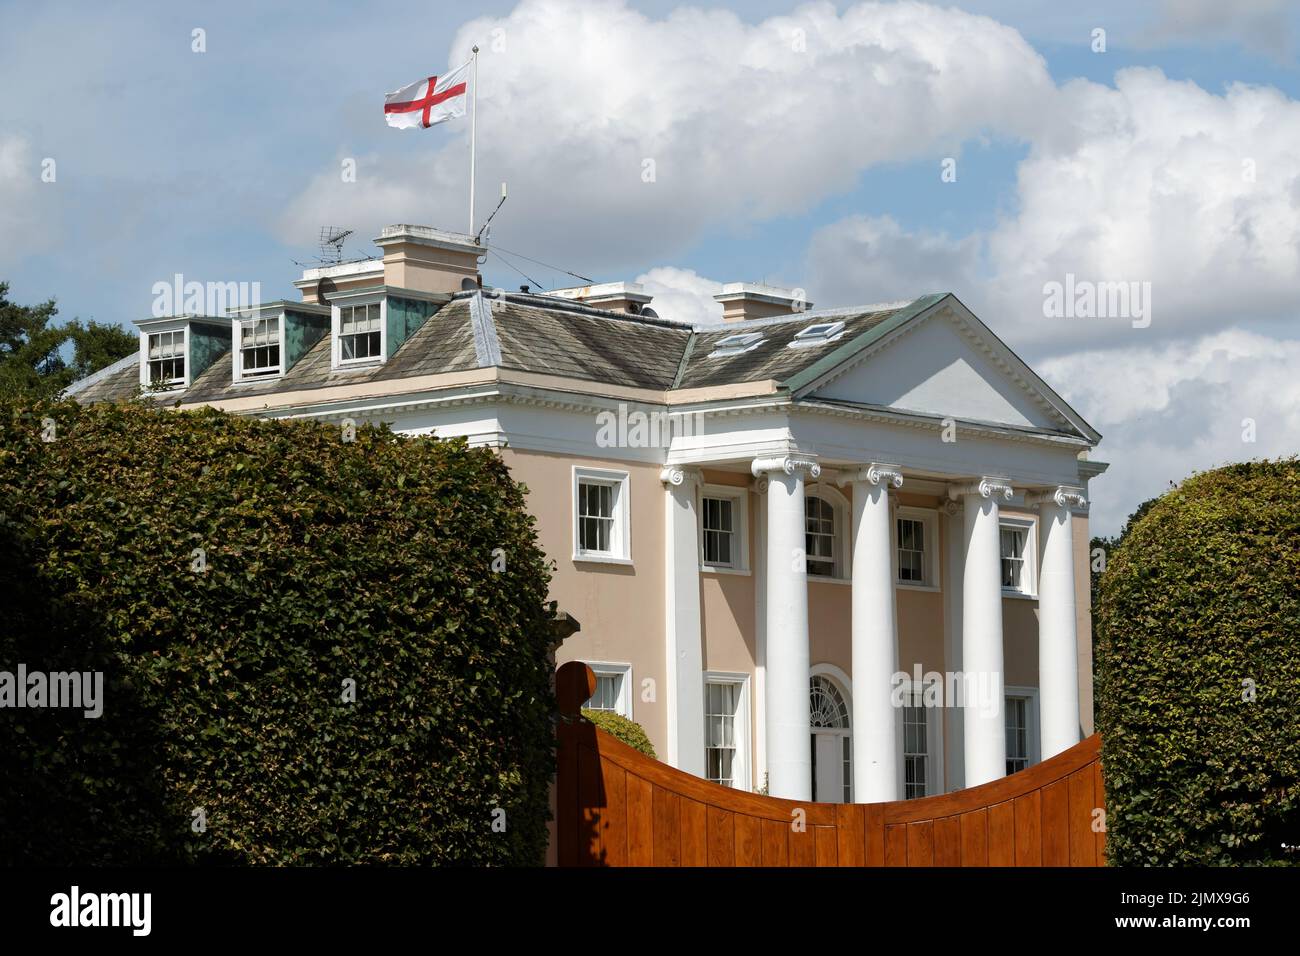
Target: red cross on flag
column 428, row 102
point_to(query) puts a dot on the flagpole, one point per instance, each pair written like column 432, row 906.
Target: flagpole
column 473, row 136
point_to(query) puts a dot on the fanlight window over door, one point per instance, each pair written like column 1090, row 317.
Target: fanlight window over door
column 831, row 745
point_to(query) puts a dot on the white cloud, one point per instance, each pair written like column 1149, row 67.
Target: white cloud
column 682, row 295
column 1157, row 180
column 1152, row 180
column 1170, row 409
column 872, row 259
column 28, row 206
column 742, row 121
column 1262, row 25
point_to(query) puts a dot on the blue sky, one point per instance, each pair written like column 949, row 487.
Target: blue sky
column 812, row 163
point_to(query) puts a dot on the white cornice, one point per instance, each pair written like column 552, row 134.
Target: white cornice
column 936, row 423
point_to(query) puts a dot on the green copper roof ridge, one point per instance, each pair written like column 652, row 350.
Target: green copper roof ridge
column 806, row 376
column 686, row 357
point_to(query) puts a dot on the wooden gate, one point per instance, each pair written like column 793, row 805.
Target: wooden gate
column 618, row 807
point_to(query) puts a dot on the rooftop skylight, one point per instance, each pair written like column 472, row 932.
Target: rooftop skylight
column 736, row 344
column 818, row 334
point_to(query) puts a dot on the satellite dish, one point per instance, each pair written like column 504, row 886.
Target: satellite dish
column 649, row 313
column 468, row 285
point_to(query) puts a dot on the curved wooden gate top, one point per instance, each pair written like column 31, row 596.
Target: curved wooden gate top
column 617, row 807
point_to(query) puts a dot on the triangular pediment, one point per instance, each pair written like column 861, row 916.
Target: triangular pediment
column 945, row 363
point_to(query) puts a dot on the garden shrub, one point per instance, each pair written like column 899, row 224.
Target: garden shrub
column 231, row 577
column 619, row 727
column 1198, row 673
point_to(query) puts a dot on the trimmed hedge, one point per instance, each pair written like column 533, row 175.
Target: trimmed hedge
column 327, row 561
column 619, row 727
column 1198, row 664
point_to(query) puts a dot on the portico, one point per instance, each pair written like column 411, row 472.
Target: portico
column 977, row 575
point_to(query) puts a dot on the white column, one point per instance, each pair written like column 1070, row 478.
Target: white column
column 1058, row 639
column 789, row 749
column 876, row 775
column 684, row 648
column 759, row 697
column 954, row 553
column 983, row 722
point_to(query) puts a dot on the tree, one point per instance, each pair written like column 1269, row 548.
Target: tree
column 33, row 349
column 1198, row 662
column 1108, row 545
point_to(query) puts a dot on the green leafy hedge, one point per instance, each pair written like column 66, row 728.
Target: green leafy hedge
column 620, row 728
column 1199, row 670
column 327, row 561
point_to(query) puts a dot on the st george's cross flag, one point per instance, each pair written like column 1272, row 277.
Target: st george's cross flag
column 429, row 101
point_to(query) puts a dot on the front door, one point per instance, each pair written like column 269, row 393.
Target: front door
column 828, row 768
column 829, row 717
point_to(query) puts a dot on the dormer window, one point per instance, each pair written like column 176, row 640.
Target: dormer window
column 818, row 334
column 736, row 344
column 175, row 350
column 166, row 352
column 360, row 334
column 259, row 348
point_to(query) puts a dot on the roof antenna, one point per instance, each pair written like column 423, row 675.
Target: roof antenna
column 486, row 231
column 331, row 243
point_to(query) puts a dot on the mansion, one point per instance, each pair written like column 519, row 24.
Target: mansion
column 833, row 555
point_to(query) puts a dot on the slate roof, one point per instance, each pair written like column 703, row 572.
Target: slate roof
column 551, row 336
column 533, row 333
column 773, row 358
column 444, row 343
column 589, row 344
column 113, row 383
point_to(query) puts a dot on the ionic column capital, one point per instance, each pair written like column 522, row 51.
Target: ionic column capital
column 876, row 473
column 985, row 488
column 677, row 476
column 1064, row 496
column 788, row 464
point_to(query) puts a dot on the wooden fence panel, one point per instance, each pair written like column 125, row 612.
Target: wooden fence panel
column 617, row 807
column 695, row 833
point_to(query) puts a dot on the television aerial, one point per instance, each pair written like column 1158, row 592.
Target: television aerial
column 331, row 243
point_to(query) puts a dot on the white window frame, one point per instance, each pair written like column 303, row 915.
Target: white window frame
column 621, row 533
column 1029, row 578
column 336, row 324
column 742, row 775
column 237, row 348
column 181, row 326
column 1031, row 719
column 934, row 739
column 844, row 686
column 740, row 343
column 616, row 669
column 843, row 573
column 806, row 338
column 930, row 521
column 739, row 498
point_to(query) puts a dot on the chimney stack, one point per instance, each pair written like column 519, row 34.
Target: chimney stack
column 752, row 300
column 627, row 297
column 427, row 259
